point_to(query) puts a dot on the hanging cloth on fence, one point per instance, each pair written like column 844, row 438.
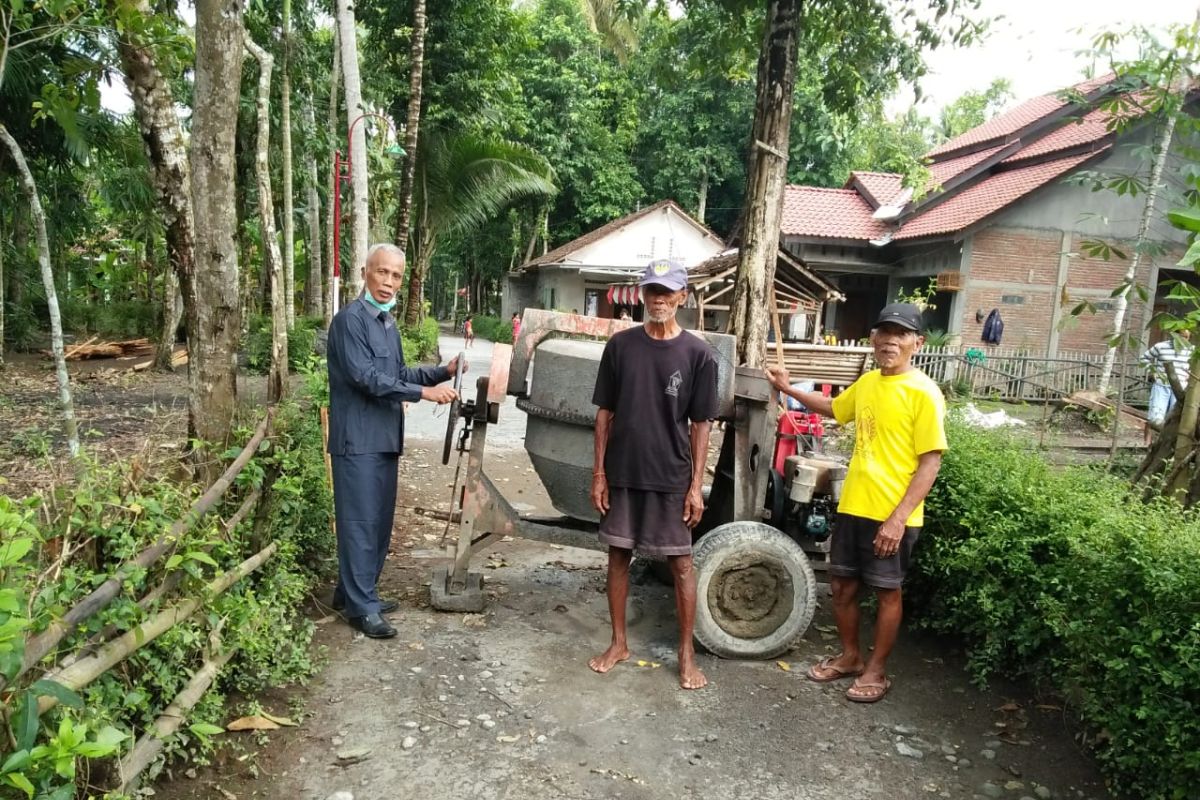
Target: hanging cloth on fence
column 993, row 328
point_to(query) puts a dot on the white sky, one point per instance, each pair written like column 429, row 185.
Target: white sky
column 1036, row 46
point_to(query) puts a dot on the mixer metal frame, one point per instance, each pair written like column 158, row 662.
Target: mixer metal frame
column 484, row 514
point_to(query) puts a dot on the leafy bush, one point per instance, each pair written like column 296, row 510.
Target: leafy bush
column 256, row 346
column 1066, row 577
column 119, row 318
column 492, row 328
column 420, row 343
column 113, row 511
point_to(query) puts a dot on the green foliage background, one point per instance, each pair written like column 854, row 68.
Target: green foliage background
column 1066, row 577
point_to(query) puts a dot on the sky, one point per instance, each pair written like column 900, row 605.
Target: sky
column 1035, row 45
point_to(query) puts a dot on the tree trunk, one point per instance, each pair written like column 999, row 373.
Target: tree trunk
column 214, row 326
column 765, row 180
column 417, row 67
column 331, row 257
column 702, row 199
column 285, row 125
column 361, row 223
column 43, row 244
column 416, row 284
column 1, row 292
column 272, row 263
column 1135, row 260
column 314, row 296
column 16, row 286
column 163, row 137
column 172, row 311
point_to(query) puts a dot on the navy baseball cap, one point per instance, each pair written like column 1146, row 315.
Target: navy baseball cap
column 666, row 272
column 906, row 315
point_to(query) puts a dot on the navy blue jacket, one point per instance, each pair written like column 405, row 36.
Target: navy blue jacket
column 368, row 382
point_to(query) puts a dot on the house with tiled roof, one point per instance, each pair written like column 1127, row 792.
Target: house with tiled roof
column 1001, row 226
column 592, row 274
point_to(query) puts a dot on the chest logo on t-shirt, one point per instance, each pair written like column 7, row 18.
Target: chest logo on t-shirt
column 673, row 384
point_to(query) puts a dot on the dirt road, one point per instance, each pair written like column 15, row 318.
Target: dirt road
column 501, row 705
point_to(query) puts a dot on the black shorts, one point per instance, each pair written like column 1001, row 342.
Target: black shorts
column 649, row 522
column 852, row 553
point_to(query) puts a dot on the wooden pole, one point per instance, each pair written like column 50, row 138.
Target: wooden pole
column 86, row 670
column 151, row 744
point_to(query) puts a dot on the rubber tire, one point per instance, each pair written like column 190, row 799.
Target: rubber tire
column 738, row 539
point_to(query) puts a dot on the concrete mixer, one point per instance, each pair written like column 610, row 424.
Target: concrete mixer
column 763, row 531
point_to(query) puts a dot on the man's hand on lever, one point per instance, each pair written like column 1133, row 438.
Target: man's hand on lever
column 439, row 394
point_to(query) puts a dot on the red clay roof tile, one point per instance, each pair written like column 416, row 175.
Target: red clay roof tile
column 974, row 203
column 828, row 214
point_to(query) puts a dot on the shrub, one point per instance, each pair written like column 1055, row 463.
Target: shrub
column 493, row 329
column 256, row 345
column 420, row 343
column 1067, row 578
column 112, row 511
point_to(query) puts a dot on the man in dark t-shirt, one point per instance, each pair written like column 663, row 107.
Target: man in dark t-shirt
column 656, row 394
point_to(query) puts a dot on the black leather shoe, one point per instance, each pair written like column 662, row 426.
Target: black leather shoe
column 385, row 606
column 373, row 626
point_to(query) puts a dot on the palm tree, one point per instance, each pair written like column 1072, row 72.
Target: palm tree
column 462, row 181
column 615, row 23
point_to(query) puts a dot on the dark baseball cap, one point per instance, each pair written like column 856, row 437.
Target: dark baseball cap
column 666, row 272
column 906, row 315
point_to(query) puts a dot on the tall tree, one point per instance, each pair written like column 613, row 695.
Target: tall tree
column 272, row 263
column 332, row 256
column 351, row 82
column 416, row 73
column 214, row 323
column 864, row 46
column 314, row 292
column 43, row 247
column 462, row 181
column 766, row 178
column 162, row 135
column 285, row 132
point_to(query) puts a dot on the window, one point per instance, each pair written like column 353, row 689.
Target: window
column 1012, row 299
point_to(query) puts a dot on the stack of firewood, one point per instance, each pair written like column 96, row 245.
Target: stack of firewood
column 96, row 349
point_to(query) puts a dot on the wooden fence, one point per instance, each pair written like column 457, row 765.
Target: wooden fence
column 1003, row 373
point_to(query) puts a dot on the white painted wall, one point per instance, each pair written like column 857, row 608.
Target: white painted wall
column 661, row 234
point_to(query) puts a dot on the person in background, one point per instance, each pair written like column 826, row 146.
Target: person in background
column 1164, row 356
column 468, row 331
column 516, row 325
column 625, row 314
column 899, row 438
column 368, row 385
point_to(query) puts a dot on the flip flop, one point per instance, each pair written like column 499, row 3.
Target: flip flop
column 868, row 698
column 826, row 664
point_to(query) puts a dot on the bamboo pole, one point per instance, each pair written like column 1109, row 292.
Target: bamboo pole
column 39, row 646
column 134, row 763
column 84, row 671
column 169, row 584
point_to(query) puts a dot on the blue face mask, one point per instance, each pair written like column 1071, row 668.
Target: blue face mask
column 388, row 306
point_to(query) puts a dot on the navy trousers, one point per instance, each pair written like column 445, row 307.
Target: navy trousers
column 364, row 504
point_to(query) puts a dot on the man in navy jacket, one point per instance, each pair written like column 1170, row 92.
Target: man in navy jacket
column 368, row 385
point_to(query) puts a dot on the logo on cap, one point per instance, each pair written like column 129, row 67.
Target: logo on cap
column 662, row 268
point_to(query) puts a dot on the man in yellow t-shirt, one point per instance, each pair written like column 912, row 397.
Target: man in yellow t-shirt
column 898, row 443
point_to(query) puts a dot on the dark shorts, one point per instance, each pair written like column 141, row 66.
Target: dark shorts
column 649, row 522
column 852, row 553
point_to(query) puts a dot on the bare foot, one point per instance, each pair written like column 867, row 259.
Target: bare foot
column 690, row 676
column 614, row 655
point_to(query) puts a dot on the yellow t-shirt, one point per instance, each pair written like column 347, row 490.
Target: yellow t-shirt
column 897, row 418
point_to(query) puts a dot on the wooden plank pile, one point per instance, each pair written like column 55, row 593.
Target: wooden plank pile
column 1094, row 401
column 836, row 365
column 107, row 349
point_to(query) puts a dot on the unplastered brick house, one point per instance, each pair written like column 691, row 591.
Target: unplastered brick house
column 1004, row 227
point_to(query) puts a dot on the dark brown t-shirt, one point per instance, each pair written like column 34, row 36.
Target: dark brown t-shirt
column 654, row 387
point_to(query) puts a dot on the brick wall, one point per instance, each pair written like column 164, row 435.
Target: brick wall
column 1020, row 266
